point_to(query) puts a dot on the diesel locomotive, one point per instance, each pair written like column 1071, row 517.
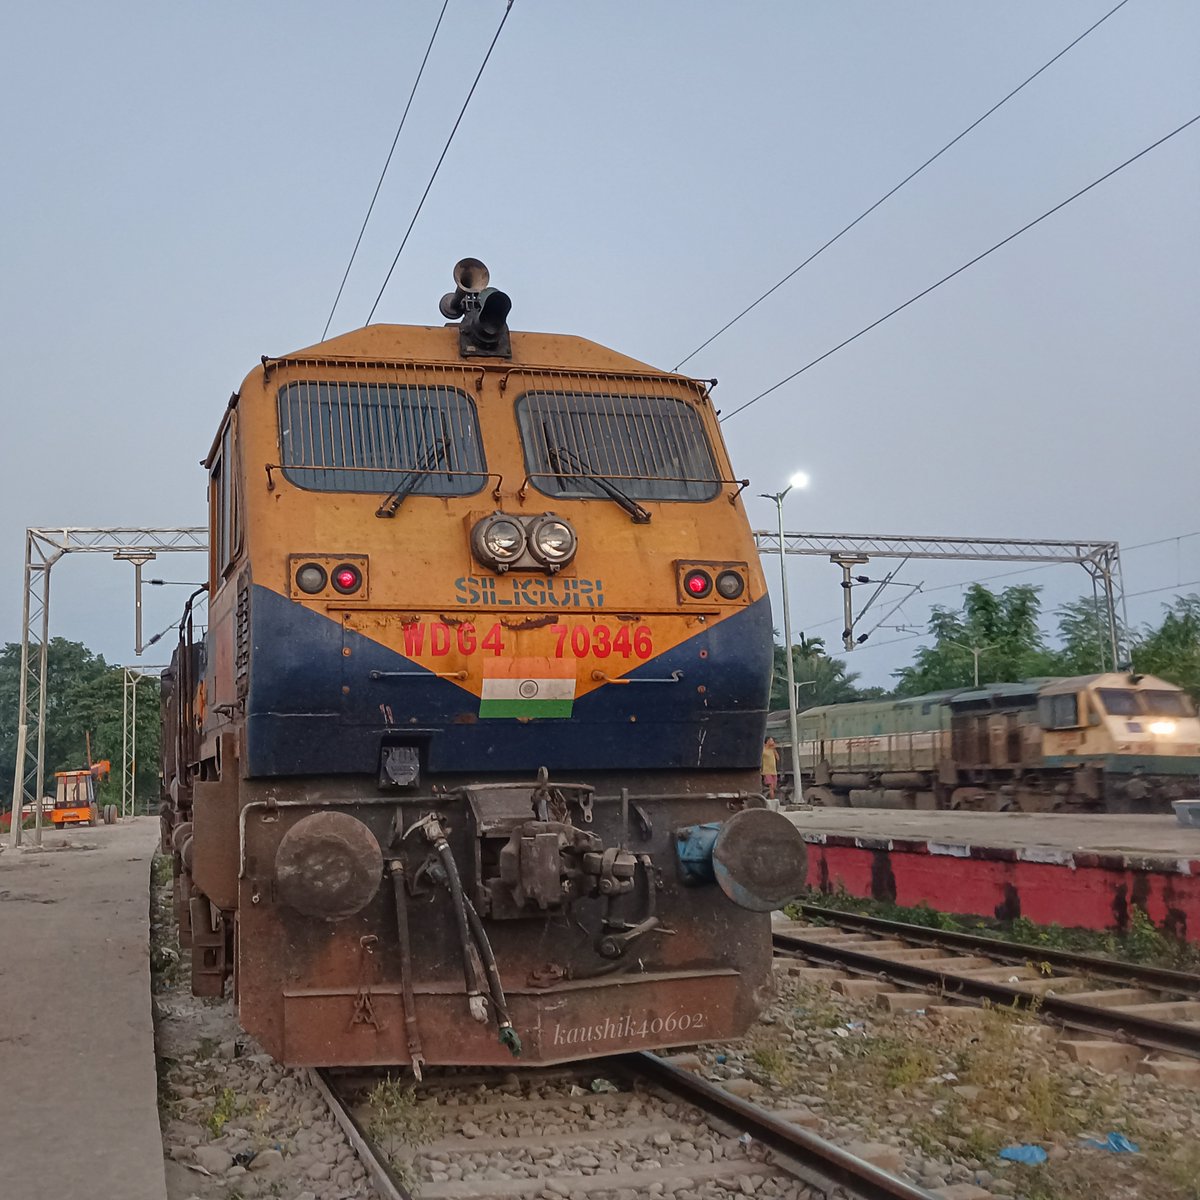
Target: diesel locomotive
column 1115, row 742
column 465, row 765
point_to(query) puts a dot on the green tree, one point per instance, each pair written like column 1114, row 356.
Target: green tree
column 826, row 679
column 1083, row 632
column 84, row 695
column 1172, row 650
column 1000, row 630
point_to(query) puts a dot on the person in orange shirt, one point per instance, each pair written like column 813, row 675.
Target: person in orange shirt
column 770, row 767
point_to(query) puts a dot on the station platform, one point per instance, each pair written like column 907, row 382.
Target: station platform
column 1084, row 870
column 78, row 1083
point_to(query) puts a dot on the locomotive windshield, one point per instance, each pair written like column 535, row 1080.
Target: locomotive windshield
column 1118, row 702
column 369, row 437
column 651, row 447
column 1168, row 704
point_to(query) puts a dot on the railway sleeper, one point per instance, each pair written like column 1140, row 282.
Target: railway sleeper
column 1115, row 997
column 674, row 1177
column 589, row 1137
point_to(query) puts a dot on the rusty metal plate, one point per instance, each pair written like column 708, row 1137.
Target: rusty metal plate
column 759, row 860
column 328, row 865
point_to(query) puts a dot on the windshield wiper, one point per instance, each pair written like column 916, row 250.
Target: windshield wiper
column 557, row 456
column 433, row 457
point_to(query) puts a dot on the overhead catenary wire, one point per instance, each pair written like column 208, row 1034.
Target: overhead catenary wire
column 441, row 158
column 907, row 179
column 1166, row 137
column 966, row 583
column 387, row 163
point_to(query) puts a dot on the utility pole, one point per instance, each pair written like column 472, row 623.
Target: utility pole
column 799, row 480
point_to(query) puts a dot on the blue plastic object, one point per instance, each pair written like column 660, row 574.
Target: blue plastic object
column 1117, row 1143
column 694, row 848
column 1024, row 1153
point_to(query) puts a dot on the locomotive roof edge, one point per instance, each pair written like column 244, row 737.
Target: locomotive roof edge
column 1041, row 685
column 438, row 345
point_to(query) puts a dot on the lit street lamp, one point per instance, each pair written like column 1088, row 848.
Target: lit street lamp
column 799, row 480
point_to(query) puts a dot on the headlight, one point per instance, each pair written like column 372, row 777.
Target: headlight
column 552, row 541
column 730, row 585
column 1162, row 728
column 498, row 541
column 311, row 578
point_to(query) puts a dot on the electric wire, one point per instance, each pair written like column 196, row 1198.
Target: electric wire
column 965, row 266
column 966, row 583
column 441, row 158
column 907, row 179
column 912, row 637
column 387, row 163
column 1166, row 587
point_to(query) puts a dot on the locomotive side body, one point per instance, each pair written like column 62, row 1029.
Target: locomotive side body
column 1115, row 742
column 483, row 699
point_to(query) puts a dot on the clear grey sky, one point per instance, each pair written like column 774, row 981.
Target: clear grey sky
column 182, row 184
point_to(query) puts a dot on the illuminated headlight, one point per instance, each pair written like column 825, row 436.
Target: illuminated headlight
column 552, row 541
column 498, row 541
column 1162, row 728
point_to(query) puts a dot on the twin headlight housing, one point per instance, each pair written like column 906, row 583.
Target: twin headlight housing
column 502, row 541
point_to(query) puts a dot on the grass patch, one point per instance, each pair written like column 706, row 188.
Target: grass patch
column 224, row 1109
column 161, row 869
column 398, row 1124
column 1144, row 942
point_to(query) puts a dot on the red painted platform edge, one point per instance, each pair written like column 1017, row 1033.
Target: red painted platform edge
column 1086, row 891
column 1051, row 855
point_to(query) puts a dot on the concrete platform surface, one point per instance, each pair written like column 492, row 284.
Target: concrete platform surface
column 1158, row 836
column 78, row 1086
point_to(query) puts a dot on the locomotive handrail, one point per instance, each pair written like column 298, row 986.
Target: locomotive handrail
column 523, row 490
column 377, row 675
column 604, row 677
column 700, row 386
column 271, row 468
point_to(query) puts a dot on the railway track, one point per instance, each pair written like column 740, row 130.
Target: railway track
column 651, row 1129
column 1155, row 1008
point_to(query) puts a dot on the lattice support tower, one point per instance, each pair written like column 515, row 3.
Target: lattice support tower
column 43, row 548
column 129, row 751
column 1101, row 560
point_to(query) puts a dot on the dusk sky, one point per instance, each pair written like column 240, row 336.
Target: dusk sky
column 183, row 185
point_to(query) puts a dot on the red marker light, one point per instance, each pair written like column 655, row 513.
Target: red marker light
column 697, row 584
column 347, row 579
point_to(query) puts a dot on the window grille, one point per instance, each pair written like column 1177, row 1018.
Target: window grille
column 650, row 447
column 368, row 437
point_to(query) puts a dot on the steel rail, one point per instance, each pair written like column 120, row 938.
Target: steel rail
column 1163, row 978
column 816, row 1161
column 374, row 1161
column 1107, row 1022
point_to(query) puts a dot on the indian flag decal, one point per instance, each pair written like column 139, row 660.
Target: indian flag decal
column 527, row 687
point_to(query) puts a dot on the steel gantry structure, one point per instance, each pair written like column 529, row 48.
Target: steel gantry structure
column 129, row 751
column 43, row 548
column 1101, row 560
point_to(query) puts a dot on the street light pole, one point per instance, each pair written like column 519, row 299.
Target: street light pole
column 976, row 650
column 798, row 480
